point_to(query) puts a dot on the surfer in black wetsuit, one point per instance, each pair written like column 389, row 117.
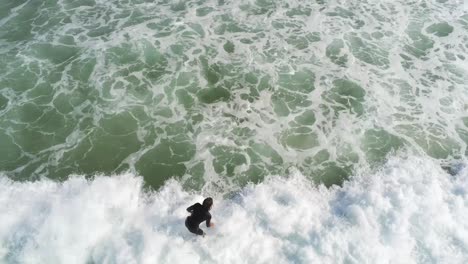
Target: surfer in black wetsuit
column 198, row 214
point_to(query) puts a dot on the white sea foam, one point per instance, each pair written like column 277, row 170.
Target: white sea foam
column 410, row 211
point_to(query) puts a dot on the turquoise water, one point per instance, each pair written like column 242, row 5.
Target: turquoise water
column 228, row 91
column 215, row 96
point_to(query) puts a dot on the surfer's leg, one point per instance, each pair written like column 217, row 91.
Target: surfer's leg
column 188, row 225
column 195, row 230
column 199, row 232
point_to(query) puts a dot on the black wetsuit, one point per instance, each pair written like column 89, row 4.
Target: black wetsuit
column 199, row 213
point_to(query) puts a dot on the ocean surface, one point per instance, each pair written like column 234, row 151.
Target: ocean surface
column 326, row 131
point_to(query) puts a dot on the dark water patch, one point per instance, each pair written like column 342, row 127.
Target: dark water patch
column 33, row 141
column 325, row 168
column 138, row 17
column 442, row 29
column 229, row 47
column 19, row 28
column 41, row 94
column 302, row 40
column 264, row 161
column 330, row 174
column 285, row 24
column 197, row 29
column 367, row 51
column 213, row 95
column 55, row 53
column 178, row 6
column 82, row 70
column 213, row 72
column 459, row 74
column 408, row 94
column 463, row 131
column 259, row 7
column 264, row 83
column 279, row 106
column 10, row 153
column 101, row 152
column 70, row 4
column 119, row 124
column 101, row 31
column 246, row 165
column 341, row 12
column 123, row 54
column 300, row 138
column 307, row 118
column 378, row 143
column 334, row 52
column 3, row 102
column 251, row 78
column 432, row 139
column 20, row 79
column 55, row 123
column 266, row 151
column 450, row 56
column 284, row 101
column 26, row 112
column 299, row 11
column 164, row 112
column 226, row 159
column 246, row 41
column 230, row 27
column 464, row 21
column 166, row 160
column 348, row 15
column 62, row 103
column 203, row 11
column 301, row 81
column 197, row 176
column 256, row 173
column 163, row 25
column 420, row 44
column 7, row 6
column 185, row 98
column 377, row 35
column 346, row 96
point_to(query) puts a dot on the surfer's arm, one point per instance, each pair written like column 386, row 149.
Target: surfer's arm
column 208, row 219
column 190, row 209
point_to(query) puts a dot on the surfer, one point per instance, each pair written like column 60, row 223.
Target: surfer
column 198, row 214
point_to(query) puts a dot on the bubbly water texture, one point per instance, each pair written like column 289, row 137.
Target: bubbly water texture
column 327, row 131
column 221, row 93
column 411, row 211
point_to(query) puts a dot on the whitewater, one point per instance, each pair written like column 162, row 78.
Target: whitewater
column 326, row 131
column 410, row 211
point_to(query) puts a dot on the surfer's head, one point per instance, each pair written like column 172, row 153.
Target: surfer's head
column 208, row 202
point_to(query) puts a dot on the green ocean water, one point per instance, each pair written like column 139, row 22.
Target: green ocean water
column 221, row 93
